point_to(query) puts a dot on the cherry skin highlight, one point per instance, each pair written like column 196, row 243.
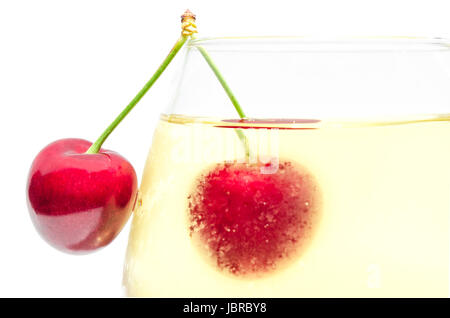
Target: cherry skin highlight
column 251, row 223
column 79, row 202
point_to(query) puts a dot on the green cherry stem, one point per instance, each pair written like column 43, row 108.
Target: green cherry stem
column 231, row 96
column 95, row 147
column 190, row 28
column 222, row 81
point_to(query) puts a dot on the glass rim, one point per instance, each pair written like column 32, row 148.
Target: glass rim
column 323, row 44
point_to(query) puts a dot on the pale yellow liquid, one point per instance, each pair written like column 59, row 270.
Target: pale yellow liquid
column 384, row 229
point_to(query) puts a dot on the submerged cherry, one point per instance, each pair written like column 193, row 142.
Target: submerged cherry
column 79, row 202
column 252, row 223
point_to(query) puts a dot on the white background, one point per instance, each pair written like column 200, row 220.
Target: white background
column 67, row 68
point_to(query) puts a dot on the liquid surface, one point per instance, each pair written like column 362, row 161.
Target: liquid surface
column 384, row 209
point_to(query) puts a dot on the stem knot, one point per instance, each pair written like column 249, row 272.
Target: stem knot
column 188, row 26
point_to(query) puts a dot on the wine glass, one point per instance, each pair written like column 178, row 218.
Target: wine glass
column 335, row 182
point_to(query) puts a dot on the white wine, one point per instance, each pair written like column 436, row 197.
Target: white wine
column 378, row 199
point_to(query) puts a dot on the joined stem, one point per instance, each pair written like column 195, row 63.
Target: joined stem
column 189, row 28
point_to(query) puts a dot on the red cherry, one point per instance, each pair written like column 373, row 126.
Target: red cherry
column 252, row 223
column 79, row 202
